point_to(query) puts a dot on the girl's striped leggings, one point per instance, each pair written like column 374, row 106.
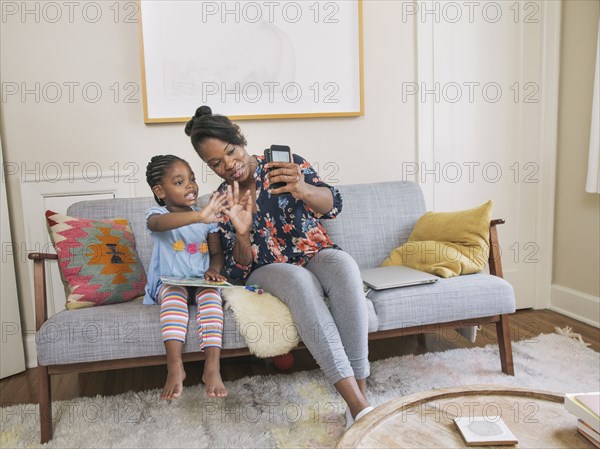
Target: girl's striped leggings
column 174, row 314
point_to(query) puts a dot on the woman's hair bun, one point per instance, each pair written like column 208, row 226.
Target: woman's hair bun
column 203, row 110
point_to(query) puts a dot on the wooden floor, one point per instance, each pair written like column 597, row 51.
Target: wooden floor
column 22, row 388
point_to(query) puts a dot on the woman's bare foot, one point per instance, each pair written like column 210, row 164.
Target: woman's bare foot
column 174, row 384
column 213, row 384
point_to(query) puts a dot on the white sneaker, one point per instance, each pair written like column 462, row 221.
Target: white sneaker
column 350, row 420
column 363, row 412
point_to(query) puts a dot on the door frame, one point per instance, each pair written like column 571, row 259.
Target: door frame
column 547, row 135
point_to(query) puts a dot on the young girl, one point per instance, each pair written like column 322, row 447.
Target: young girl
column 184, row 237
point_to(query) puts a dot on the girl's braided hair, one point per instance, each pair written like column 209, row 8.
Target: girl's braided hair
column 155, row 171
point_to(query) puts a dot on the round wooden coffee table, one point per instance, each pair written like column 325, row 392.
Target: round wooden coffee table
column 426, row 420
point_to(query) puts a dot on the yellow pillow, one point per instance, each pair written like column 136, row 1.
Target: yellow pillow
column 447, row 243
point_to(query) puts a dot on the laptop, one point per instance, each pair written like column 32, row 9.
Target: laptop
column 382, row 278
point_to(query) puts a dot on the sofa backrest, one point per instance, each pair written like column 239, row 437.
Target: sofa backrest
column 375, row 219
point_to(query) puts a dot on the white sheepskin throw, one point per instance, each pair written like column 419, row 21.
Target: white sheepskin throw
column 264, row 321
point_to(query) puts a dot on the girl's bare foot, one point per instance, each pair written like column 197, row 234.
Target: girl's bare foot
column 213, row 384
column 174, row 384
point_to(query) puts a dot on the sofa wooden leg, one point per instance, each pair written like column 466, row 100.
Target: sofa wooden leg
column 45, row 403
column 505, row 345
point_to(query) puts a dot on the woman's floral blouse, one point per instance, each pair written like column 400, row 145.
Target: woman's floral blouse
column 284, row 229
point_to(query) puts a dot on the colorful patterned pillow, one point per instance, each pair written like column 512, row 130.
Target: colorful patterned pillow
column 97, row 260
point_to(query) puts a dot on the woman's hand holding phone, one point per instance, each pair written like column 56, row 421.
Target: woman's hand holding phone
column 288, row 173
column 283, row 175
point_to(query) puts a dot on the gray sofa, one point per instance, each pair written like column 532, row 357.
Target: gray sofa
column 376, row 218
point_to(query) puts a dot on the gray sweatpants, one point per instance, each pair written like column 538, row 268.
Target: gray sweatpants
column 336, row 336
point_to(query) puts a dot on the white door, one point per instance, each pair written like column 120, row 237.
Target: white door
column 12, row 357
column 481, row 104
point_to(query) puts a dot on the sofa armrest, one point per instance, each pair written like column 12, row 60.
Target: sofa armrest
column 42, row 256
column 495, row 258
column 39, row 279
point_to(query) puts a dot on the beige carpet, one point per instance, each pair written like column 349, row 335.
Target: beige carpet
column 295, row 410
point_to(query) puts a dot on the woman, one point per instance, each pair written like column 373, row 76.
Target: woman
column 273, row 238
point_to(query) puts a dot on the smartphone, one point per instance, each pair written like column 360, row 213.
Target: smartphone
column 278, row 153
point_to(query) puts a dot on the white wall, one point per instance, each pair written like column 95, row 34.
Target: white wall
column 50, row 137
column 576, row 262
column 12, row 357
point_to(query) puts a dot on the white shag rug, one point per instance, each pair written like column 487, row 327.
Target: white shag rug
column 291, row 410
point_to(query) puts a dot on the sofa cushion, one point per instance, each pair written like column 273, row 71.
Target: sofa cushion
column 122, row 331
column 447, row 243
column 126, row 330
column 466, row 227
column 452, row 299
column 375, row 219
column 373, row 319
column 97, row 259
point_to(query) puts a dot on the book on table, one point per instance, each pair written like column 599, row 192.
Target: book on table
column 193, row 281
column 485, row 431
column 589, row 433
column 586, row 407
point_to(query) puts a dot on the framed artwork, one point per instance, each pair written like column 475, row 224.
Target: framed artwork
column 251, row 59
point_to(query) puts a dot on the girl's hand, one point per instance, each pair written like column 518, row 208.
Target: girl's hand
column 239, row 210
column 214, row 211
column 214, row 276
column 290, row 174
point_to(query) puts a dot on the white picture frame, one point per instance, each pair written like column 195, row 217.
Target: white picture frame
column 251, row 59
